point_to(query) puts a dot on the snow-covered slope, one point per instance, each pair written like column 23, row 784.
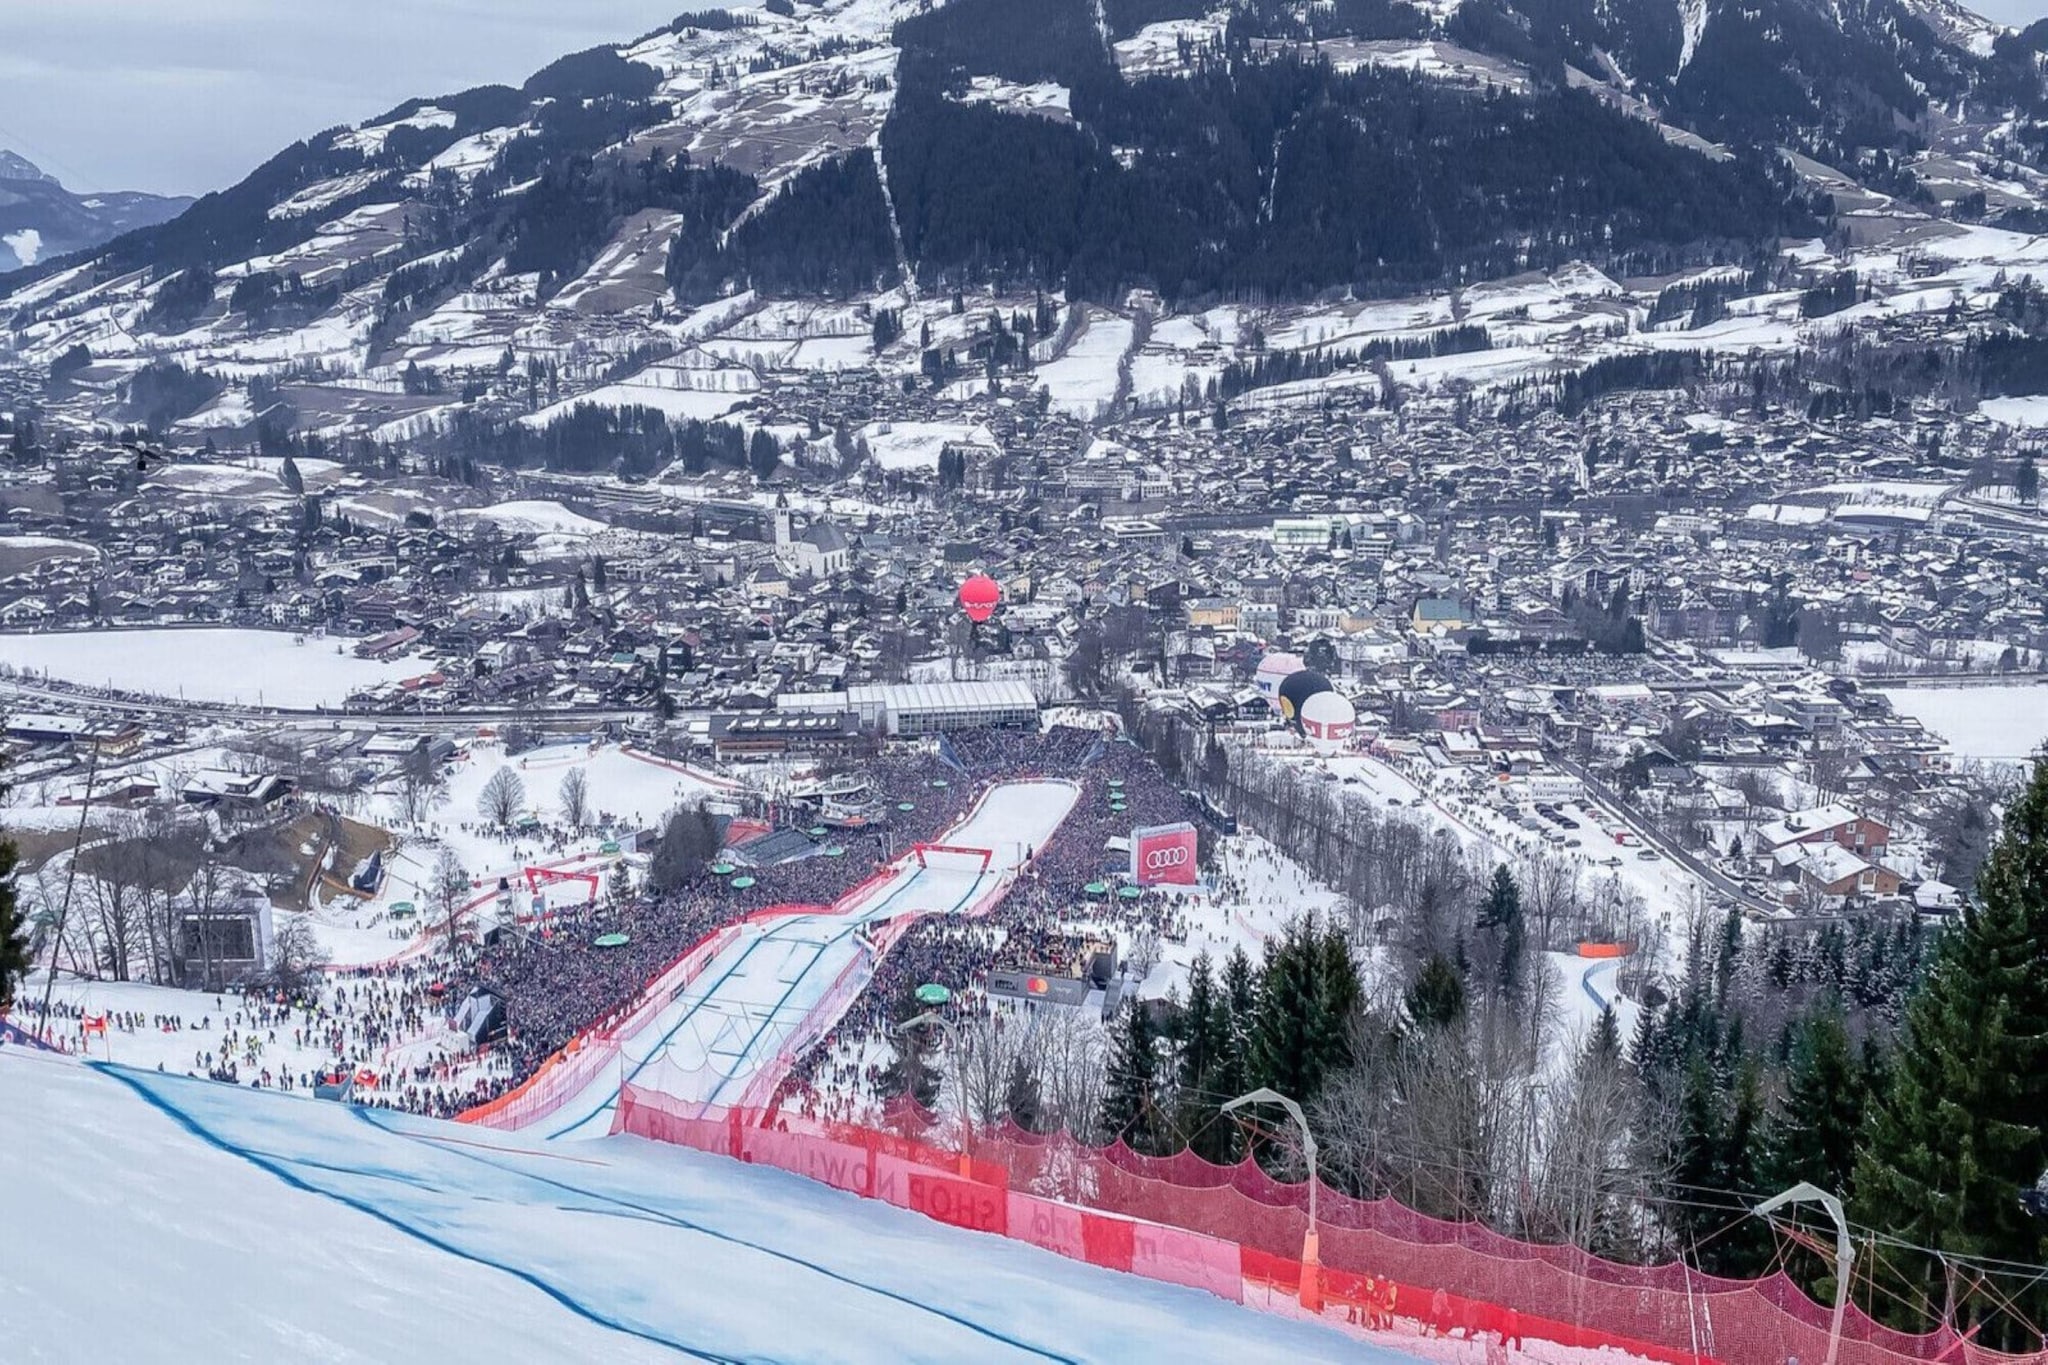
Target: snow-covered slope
column 146, row 1218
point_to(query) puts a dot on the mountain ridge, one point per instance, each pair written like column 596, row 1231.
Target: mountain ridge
column 628, row 202
column 39, row 217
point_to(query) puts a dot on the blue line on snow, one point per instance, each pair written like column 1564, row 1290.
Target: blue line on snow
column 747, row 1047
column 676, row 1220
column 661, row 1044
column 192, row 1125
column 952, row 909
column 1586, row 983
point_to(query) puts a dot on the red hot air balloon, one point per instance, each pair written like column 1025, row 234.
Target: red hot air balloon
column 979, row 596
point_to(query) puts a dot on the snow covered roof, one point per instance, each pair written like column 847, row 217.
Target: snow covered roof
column 1804, row 824
column 1831, row 863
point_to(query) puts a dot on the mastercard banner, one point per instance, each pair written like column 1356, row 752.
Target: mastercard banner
column 1163, row 854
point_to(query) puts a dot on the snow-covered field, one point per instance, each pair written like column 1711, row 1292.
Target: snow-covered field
column 2031, row 411
column 1083, row 382
column 2002, row 724
column 241, row 667
column 635, row 791
column 917, row 445
column 155, row 1218
column 751, row 1000
column 528, row 518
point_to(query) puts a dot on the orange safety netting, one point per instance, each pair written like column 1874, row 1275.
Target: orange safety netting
column 1237, row 1232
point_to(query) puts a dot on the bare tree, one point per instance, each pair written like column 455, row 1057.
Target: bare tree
column 450, row 890
column 419, row 787
column 205, row 896
column 987, row 1048
column 574, row 794
column 1759, row 795
column 1071, row 1060
column 294, row 952
column 1591, row 1177
column 1828, row 768
column 114, row 875
column 501, row 797
column 1145, row 952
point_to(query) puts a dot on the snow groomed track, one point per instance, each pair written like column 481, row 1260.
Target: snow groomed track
column 731, row 1033
column 407, row 1238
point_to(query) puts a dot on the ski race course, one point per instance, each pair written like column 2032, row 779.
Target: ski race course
column 230, row 1223
column 772, row 988
column 563, row 1240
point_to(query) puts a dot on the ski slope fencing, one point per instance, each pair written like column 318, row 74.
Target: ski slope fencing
column 1237, row 1233
column 594, row 1053
column 776, row 980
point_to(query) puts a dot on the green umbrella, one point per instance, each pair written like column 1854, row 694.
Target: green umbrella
column 932, row 993
column 834, row 851
column 905, row 806
column 1116, row 781
column 721, row 869
column 816, row 831
column 611, row 941
column 742, row 883
column 940, row 782
column 1097, row 888
column 1129, row 893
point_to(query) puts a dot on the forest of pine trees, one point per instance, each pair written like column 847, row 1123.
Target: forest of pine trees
column 1903, row 1067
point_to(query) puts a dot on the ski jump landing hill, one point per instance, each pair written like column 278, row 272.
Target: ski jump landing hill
column 724, row 1024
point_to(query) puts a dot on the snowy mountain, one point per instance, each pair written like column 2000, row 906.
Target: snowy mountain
column 40, row 219
column 668, row 223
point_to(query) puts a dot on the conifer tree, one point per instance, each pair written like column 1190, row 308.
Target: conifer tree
column 1500, row 918
column 1962, row 1125
column 1308, row 989
column 1132, row 1086
column 1813, row 1131
column 14, row 950
column 1021, row 1098
column 1205, row 1045
column 910, row 1073
column 1436, row 1000
column 1604, row 1043
column 1231, row 1077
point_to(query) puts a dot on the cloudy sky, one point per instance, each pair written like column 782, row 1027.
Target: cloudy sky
column 184, row 96
column 2018, row 13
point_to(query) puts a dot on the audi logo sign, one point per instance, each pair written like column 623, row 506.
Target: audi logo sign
column 1163, row 854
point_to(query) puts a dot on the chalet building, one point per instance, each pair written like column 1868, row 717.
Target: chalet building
column 1831, row 824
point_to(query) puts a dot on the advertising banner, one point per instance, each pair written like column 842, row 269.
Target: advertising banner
column 1163, row 854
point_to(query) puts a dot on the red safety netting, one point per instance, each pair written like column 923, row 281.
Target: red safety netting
column 1237, row 1232
column 595, row 1051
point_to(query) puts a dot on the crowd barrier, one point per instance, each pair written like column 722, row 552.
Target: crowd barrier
column 596, row 1049
column 1236, row 1232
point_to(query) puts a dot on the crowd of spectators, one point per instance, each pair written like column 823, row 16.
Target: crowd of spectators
column 554, row 981
column 390, row 1023
column 1049, row 917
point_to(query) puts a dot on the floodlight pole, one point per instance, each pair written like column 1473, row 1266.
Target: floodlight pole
column 932, row 1018
column 1845, row 1250
column 1311, row 1249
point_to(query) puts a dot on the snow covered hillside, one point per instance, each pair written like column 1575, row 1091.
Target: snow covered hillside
column 230, row 1224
